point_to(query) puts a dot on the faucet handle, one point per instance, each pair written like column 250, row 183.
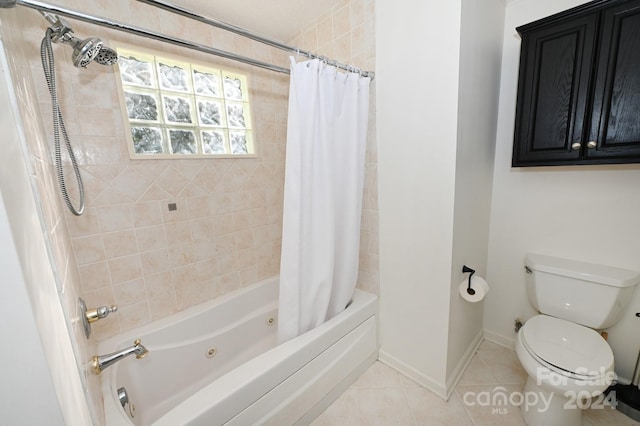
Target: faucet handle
column 92, row 315
column 95, row 314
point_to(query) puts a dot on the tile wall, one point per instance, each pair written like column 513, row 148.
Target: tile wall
column 129, row 249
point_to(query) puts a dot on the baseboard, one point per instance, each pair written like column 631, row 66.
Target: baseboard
column 507, row 342
column 418, row 377
column 463, row 363
column 446, row 390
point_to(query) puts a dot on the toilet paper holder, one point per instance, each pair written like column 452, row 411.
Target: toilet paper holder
column 466, row 269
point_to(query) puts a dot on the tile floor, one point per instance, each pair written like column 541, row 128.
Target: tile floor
column 382, row 396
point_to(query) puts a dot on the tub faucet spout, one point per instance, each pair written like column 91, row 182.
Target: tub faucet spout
column 103, row 361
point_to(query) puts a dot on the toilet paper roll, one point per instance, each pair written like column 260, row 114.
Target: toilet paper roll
column 478, row 284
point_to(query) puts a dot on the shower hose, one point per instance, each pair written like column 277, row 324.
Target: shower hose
column 46, row 54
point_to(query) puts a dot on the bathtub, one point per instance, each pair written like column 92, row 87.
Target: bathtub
column 219, row 363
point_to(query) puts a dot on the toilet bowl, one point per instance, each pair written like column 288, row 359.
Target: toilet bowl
column 568, row 364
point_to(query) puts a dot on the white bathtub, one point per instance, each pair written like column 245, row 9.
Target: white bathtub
column 249, row 379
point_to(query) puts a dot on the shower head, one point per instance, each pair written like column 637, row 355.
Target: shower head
column 106, row 56
column 84, row 51
column 89, row 50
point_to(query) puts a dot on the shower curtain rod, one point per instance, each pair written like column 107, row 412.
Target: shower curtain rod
column 120, row 26
column 245, row 33
column 70, row 13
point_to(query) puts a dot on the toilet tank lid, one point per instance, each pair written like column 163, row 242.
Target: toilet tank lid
column 602, row 274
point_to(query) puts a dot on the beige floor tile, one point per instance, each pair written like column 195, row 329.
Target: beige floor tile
column 508, row 371
column 477, row 373
column 503, row 363
column 380, row 375
column 335, row 421
column 384, row 406
column 429, row 409
column 490, row 349
column 382, row 396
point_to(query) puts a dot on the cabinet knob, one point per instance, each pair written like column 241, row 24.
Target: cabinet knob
column 592, row 144
column 576, row 146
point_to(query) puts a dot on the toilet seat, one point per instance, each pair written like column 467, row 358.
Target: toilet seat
column 567, row 348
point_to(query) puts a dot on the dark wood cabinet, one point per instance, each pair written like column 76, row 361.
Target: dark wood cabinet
column 579, row 87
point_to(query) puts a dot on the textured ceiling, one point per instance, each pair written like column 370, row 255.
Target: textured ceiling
column 278, row 19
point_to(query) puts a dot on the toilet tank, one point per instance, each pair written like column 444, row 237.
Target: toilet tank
column 585, row 293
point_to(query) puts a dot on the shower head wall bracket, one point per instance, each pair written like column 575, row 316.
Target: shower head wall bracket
column 84, row 51
column 61, row 31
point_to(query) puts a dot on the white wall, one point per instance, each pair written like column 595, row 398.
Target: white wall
column 37, row 365
column 480, row 60
column 588, row 213
column 25, row 373
column 23, row 365
column 417, row 62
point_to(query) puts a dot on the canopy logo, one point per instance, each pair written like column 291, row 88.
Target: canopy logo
column 501, row 400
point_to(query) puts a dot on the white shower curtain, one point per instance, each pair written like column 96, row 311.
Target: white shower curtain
column 324, row 175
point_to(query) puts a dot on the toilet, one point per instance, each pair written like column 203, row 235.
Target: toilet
column 568, row 362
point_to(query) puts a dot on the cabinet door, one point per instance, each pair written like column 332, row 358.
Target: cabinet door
column 615, row 124
column 553, row 91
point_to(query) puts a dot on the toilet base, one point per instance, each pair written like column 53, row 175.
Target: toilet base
column 550, row 408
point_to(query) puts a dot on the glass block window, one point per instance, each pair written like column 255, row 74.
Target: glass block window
column 174, row 108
